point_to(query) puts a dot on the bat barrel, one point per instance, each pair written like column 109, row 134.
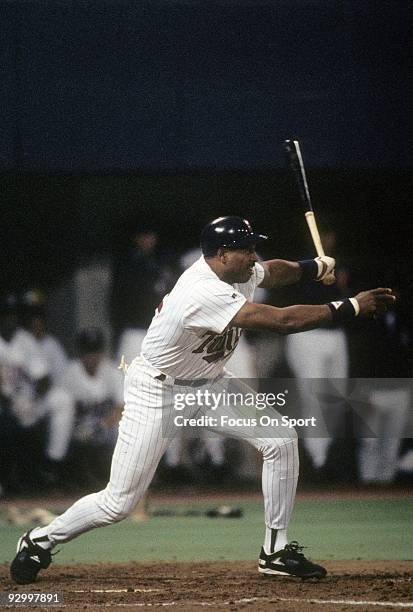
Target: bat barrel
column 296, row 164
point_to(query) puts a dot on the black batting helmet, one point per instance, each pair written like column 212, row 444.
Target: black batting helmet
column 228, row 232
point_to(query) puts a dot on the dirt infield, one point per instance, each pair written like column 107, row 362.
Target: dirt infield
column 350, row 585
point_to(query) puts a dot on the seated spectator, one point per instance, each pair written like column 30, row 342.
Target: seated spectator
column 385, row 358
column 141, row 278
column 34, row 406
column 34, row 320
column 96, row 386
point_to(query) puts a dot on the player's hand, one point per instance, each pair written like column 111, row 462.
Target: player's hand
column 325, row 265
column 375, row 301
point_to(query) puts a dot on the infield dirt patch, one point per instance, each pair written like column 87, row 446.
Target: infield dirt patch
column 234, row 586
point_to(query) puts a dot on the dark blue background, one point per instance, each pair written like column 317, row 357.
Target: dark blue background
column 102, row 86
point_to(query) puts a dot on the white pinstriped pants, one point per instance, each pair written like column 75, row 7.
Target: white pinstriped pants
column 318, row 353
column 145, row 431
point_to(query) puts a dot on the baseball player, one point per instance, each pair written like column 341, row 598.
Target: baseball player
column 25, row 383
column 194, row 331
column 95, row 385
column 389, row 398
column 34, row 319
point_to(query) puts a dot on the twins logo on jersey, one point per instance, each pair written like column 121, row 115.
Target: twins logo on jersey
column 218, row 346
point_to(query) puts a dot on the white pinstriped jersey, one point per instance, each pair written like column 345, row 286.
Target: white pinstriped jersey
column 95, row 397
column 188, row 337
column 54, row 355
column 106, row 384
column 21, row 364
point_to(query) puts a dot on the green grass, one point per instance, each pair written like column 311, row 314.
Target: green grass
column 357, row 529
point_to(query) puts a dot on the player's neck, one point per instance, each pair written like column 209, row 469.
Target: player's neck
column 218, row 268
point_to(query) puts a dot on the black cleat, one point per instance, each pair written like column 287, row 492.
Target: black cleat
column 289, row 561
column 29, row 560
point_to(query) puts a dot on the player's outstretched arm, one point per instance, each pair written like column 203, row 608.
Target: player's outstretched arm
column 280, row 272
column 299, row 318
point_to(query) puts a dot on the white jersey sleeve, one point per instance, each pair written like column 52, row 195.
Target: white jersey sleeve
column 55, row 356
column 68, row 378
column 106, row 385
column 25, row 351
column 259, row 274
column 211, row 305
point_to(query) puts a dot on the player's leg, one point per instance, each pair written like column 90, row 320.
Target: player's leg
column 215, row 449
column 141, row 442
column 387, row 420
column 213, row 464
column 315, row 356
column 279, row 450
column 139, row 448
column 59, row 410
column 369, row 447
column 396, row 416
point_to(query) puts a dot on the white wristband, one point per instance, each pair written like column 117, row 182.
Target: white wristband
column 319, row 266
column 356, row 305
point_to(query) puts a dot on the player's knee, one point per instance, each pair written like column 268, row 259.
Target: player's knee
column 117, row 509
column 119, row 515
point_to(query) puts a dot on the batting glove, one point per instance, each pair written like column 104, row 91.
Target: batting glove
column 325, row 265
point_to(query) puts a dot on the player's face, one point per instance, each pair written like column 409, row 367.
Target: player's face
column 91, row 362
column 239, row 264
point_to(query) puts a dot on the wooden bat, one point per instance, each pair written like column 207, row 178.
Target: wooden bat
column 295, row 161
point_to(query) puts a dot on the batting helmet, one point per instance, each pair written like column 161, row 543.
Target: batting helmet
column 228, row 232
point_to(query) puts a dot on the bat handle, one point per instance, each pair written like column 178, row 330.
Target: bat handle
column 312, row 225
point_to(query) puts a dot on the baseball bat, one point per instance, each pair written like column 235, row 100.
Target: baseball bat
column 296, row 164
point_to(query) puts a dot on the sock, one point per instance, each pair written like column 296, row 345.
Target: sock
column 275, row 539
column 40, row 532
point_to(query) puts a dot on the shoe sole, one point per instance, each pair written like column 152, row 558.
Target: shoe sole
column 270, row 572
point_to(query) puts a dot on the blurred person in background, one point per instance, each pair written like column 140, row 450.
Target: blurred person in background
column 37, row 408
column 140, row 280
column 320, row 354
column 384, row 355
column 34, row 320
column 96, row 387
